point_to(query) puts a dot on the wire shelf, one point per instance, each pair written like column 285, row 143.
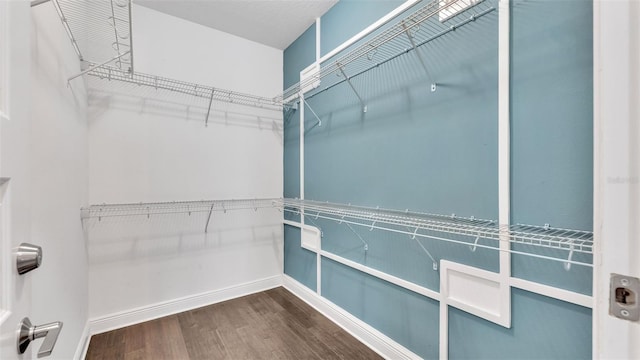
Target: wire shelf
column 105, row 211
column 426, row 225
column 99, row 29
column 202, row 91
column 425, row 24
column 176, row 207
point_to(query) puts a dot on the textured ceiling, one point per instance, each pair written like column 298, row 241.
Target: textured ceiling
column 275, row 23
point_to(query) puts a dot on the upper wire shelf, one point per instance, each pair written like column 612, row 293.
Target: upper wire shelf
column 99, row 29
column 101, row 34
column 423, row 25
column 426, row 225
column 202, row 91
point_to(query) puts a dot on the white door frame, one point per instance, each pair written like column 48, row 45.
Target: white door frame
column 616, row 50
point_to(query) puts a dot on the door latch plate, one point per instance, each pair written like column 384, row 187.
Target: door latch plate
column 623, row 297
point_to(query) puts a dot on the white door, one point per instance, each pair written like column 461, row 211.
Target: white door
column 15, row 303
column 616, row 335
column 16, row 294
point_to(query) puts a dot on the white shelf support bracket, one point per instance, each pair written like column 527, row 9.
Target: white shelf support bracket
column 364, row 107
column 415, row 50
column 206, row 226
column 91, row 68
column 474, row 247
column 206, row 120
column 318, row 123
column 364, row 243
column 433, row 261
column 567, row 264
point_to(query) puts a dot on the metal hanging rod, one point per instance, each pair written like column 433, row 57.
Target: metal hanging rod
column 408, row 34
column 207, row 92
column 442, row 227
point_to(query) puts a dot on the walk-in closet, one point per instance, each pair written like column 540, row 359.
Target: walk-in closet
column 319, row 179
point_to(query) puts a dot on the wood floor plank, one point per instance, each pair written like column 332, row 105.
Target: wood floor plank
column 273, row 324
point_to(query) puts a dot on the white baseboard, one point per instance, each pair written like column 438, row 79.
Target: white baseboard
column 374, row 339
column 83, row 345
column 155, row 311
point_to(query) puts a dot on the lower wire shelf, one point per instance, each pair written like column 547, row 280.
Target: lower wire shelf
column 522, row 239
column 99, row 212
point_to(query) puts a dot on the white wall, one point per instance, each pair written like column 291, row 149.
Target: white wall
column 147, row 146
column 58, row 180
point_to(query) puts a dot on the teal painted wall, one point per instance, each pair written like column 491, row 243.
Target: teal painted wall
column 399, row 313
column 300, row 263
column 542, row 328
column 437, row 152
column 552, row 128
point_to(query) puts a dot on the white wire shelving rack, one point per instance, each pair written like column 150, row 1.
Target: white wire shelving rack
column 101, row 34
column 99, row 30
column 403, row 38
column 105, row 211
column 523, row 238
column 210, row 93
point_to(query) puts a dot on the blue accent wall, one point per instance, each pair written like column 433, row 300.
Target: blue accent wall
column 437, row 152
column 300, row 54
column 403, row 315
column 542, row 328
column 300, row 263
column 552, row 129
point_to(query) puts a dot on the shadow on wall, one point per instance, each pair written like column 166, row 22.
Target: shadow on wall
column 133, row 238
column 167, row 104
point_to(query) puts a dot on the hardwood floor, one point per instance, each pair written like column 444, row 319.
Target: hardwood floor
column 273, row 324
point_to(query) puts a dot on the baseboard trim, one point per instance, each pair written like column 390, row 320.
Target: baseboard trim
column 83, row 345
column 374, row 339
column 155, row 311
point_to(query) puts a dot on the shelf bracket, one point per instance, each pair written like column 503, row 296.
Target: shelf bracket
column 434, row 263
column 413, row 237
column 474, row 247
column 415, row 50
column 206, row 227
column 206, row 120
column 318, row 123
column 364, row 243
column 567, row 264
column 341, row 68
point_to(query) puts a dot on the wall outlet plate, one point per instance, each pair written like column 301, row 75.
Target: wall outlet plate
column 624, row 293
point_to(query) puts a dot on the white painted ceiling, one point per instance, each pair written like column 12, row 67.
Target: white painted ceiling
column 275, row 23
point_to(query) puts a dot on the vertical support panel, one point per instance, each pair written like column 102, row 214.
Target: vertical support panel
column 504, row 148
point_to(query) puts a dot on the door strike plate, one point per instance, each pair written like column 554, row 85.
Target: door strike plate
column 623, row 297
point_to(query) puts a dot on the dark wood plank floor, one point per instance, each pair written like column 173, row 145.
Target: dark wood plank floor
column 273, row 324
